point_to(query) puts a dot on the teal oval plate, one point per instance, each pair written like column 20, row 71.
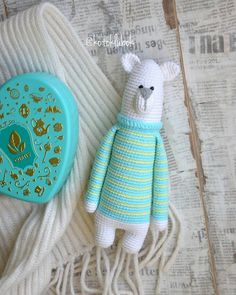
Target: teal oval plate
column 38, row 136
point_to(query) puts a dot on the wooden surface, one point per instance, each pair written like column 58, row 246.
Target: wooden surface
column 199, row 119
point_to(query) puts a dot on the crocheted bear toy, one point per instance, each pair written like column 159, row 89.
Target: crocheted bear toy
column 129, row 184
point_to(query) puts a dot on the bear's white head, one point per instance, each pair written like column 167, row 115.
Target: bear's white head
column 143, row 94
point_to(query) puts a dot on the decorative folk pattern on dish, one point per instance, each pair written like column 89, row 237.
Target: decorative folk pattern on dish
column 40, row 142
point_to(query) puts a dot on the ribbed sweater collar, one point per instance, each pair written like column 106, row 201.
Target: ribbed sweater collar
column 139, row 125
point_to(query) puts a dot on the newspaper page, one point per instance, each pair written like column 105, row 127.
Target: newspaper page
column 208, row 38
column 207, row 43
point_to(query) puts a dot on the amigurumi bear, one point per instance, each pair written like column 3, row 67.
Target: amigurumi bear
column 129, row 183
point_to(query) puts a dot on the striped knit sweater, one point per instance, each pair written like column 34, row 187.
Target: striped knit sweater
column 129, row 180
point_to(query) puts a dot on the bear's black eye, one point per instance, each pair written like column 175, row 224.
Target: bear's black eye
column 152, row 88
column 140, row 86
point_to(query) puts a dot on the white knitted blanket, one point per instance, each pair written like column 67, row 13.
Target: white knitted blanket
column 34, row 239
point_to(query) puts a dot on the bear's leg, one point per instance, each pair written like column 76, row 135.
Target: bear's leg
column 105, row 232
column 133, row 240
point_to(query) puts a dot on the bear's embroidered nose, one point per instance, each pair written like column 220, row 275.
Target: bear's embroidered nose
column 145, row 92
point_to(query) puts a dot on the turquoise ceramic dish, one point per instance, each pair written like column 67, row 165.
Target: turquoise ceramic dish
column 38, row 136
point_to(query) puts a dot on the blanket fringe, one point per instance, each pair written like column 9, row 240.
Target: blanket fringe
column 109, row 276
column 137, row 275
column 128, row 279
column 84, row 288
column 118, row 272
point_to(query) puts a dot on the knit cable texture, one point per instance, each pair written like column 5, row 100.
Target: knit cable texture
column 35, row 239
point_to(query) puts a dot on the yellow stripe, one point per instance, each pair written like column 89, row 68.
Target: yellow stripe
column 163, row 186
column 132, row 169
column 137, row 143
column 141, row 134
column 103, row 150
column 161, row 178
column 99, row 170
column 117, row 211
column 162, row 194
column 160, row 210
column 90, row 192
column 160, row 202
column 121, row 148
column 96, row 186
column 99, row 178
column 162, row 170
column 122, row 176
column 119, row 203
column 125, row 186
column 135, row 161
column 101, row 162
column 126, row 196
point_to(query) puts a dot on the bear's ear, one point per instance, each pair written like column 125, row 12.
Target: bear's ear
column 169, row 70
column 129, row 60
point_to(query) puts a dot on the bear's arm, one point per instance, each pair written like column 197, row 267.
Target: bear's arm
column 99, row 170
column 160, row 202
